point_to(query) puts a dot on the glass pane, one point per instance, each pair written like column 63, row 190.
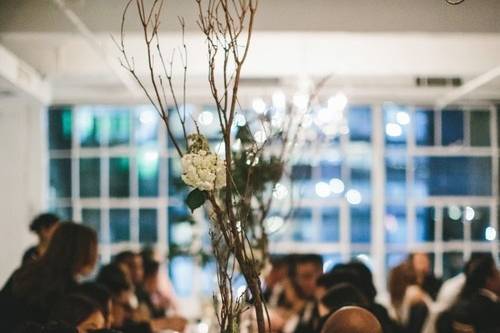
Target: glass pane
column 397, row 119
column 360, row 224
column 92, row 218
column 60, row 127
column 360, row 123
column 425, row 224
column 181, row 273
column 147, row 226
column 89, row 126
column 453, row 175
column 452, row 128
column 148, row 169
column 330, row 229
column 302, row 225
column 424, row 127
column 301, row 172
column 119, row 126
column 329, row 170
column 394, row 259
column 330, row 260
column 65, row 213
column 480, row 128
column 395, row 169
column 119, row 177
column 395, row 224
column 119, row 224
column 453, row 263
column 453, row 228
column 90, row 174
column 479, row 218
column 146, row 126
column 60, row 178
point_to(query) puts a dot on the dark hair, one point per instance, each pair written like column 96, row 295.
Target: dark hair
column 52, row 327
column 365, row 279
column 151, row 268
column 477, row 272
column 114, row 279
column 336, row 277
column 343, row 294
column 43, row 221
column 309, row 258
column 124, row 257
column 72, row 248
column 105, row 330
column 74, row 309
column 400, row 277
column 98, row 293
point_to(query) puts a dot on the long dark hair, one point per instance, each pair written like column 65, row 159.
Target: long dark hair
column 477, row 271
column 72, row 248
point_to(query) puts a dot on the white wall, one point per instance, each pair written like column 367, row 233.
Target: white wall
column 22, row 177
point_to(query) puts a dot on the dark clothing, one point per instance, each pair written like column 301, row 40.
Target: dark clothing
column 380, row 312
column 15, row 310
column 309, row 319
column 479, row 311
column 134, row 327
column 30, row 255
column 431, row 285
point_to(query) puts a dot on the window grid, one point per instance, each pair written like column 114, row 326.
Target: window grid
column 377, row 248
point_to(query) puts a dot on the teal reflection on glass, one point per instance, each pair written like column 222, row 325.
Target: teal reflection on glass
column 119, row 170
column 147, row 226
column 423, row 125
column 148, row 170
column 397, row 120
column 425, row 224
column 90, row 172
column 60, row 127
column 360, row 224
column 330, row 226
column 92, row 218
column 119, row 223
column 60, row 177
column 480, row 128
column 302, row 225
column 146, row 125
column 89, row 126
column 118, row 126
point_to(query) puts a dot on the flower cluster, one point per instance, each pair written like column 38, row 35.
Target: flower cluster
column 203, row 170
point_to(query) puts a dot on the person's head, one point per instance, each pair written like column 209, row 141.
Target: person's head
column 400, row 278
column 278, row 272
column 365, row 278
column 336, row 276
column 352, row 319
column 73, row 250
column 308, row 268
column 133, row 263
column 80, row 312
column 115, row 279
column 340, row 295
column 421, row 264
column 99, row 294
column 44, row 225
column 481, row 273
column 151, row 270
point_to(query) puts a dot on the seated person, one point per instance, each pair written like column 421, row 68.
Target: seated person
column 43, row 226
column 80, row 312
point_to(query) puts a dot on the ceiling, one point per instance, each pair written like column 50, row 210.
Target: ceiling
column 373, row 50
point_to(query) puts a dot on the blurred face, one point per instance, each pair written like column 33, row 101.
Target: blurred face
column 46, row 233
column 421, row 264
column 307, row 274
column 136, row 269
column 121, row 309
column 95, row 321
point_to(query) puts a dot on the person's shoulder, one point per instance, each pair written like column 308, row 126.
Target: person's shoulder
column 30, row 255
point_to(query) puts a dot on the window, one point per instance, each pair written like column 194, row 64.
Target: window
column 112, row 168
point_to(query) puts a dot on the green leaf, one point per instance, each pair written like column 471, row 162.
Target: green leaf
column 196, row 199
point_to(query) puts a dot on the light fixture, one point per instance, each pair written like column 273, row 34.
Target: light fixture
column 259, row 106
column 393, row 130
column 469, row 213
column 147, row 116
column 353, row 197
column 206, row 118
column 403, row 118
column 337, row 186
column 280, row 191
column 323, row 190
column 337, row 102
column 490, row 234
column 454, row 213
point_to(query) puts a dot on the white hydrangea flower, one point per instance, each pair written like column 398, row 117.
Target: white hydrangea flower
column 203, row 170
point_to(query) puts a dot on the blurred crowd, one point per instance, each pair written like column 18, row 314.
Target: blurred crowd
column 51, row 292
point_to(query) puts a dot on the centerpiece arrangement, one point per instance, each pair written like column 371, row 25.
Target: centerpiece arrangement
column 237, row 183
